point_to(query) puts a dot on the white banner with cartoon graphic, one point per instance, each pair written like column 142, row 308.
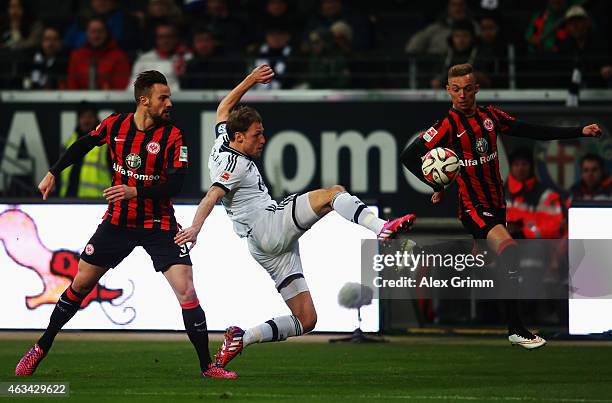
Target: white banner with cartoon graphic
column 42, row 243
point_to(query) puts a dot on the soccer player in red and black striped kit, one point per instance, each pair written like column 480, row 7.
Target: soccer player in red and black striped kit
column 471, row 132
column 149, row 158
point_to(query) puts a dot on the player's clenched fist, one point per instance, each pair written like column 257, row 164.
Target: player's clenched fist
column 592, row 131
column 262, row 74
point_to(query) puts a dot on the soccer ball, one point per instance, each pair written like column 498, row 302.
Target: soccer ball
column 440, row 166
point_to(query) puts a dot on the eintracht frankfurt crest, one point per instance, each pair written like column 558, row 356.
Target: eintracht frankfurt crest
column 153, row 147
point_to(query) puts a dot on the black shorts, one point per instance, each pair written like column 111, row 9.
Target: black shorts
column 111, row 244
column 480, row 220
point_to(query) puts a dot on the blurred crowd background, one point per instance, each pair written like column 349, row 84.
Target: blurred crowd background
column 311, row 44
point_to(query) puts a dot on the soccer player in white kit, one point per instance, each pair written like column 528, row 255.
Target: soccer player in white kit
column 272, row 229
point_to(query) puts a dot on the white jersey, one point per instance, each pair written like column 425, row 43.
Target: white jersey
column 238, row 175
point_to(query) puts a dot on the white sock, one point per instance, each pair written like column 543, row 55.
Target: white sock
column 354, row 210
column 276, row 329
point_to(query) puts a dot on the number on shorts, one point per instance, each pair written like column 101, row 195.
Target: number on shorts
column 184, row 251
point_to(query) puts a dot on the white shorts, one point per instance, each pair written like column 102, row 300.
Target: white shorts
column 273, row 240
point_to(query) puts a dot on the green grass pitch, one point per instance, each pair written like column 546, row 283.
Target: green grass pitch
column 408, row 369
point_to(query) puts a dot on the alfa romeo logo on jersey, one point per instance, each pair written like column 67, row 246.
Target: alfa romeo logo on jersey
column 153, row 147
column 133, row 161
column 482, row 146
column 488, row 124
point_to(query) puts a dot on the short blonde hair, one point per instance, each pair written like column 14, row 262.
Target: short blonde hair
column 240, row 119
column 460, row 70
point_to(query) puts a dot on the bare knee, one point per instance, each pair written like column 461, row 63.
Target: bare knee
column 87, row 277
column 186, row 294
column 308, row 320
column 180, row 278
column 81, row 288
column 183, row 289
column 81, row 284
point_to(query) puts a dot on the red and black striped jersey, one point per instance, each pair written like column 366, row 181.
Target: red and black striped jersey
column 474, row 140
column 142, row 158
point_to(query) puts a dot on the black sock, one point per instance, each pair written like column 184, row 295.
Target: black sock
column 515, row 324
column 67, row 305
column 195, row 325
column 509, row 260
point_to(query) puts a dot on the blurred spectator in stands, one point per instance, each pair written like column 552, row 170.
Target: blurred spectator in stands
column 122, row 27
column 277, row 52
column 533, row 210
column 90, row 175
column 100, row 64
column 594, row 183
column 342, row 34
column 20, row 29
column 211, row 67
column 546, row 27
column 331, row 11
column 433, row 39
column 493, row 49
column 582, row 48
column 231, row 31
column 327, row 63
column 463, row 49
column 48, row 66
column 275, row 13
column 158, row 12
column 169, row 57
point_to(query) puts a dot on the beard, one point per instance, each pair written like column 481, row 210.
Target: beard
column 159, row 119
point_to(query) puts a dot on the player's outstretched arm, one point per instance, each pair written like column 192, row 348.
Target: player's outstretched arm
column 74, row 153
column 190, row 234
column 260, row 75
column 543, row 132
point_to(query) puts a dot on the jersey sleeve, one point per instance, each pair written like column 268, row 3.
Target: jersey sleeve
column 229, row 174
column 504, row 120
column 178, row 154
column 436, row 135
column 102, row 132
column 221, row 130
